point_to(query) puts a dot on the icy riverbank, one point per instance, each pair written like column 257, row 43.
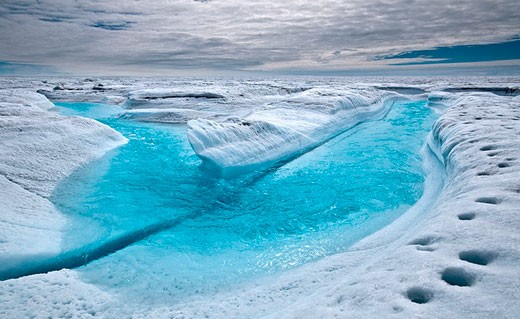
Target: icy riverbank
column 457, row 259
column 39, row 148
column 283, row 130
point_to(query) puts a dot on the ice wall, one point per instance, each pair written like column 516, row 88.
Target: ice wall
column 38, row 148
column 281, row 130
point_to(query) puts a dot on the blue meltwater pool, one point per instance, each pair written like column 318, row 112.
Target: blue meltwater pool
column 160, row 228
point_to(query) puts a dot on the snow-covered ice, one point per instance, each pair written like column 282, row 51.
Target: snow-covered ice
column 455, row 254
column 284, row 129
column 38, row 148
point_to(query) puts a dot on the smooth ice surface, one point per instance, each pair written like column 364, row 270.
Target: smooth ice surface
column 207, row 233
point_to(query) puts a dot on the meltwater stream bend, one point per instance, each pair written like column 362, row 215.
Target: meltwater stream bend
column 187, row 233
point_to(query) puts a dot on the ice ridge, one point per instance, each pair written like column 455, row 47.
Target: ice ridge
column 274, row 133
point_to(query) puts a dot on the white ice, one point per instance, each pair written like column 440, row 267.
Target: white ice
column 457, row 250
column 38, row 148
column 280, row 130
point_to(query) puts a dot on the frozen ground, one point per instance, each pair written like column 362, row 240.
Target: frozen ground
column 457, row 258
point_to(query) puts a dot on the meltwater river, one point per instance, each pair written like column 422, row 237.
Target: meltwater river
column 162, row 228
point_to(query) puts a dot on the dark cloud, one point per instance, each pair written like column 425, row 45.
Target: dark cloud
column 306, row 34
column 113, row 26
column 52, row 19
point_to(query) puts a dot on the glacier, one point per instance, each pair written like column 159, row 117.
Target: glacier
column 279, row 131
column 454, row 254
column 38, row 148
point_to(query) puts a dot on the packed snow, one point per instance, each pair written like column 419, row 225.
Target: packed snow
column 38, row 148
column 453, row 255
column 284, row 129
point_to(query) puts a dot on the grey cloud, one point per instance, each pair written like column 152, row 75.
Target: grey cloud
column 242, row 35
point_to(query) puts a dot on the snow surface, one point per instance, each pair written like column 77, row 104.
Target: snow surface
column 281, row 130
column 455, row 254
column 38, row 148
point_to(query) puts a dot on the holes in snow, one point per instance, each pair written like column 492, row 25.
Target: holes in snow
column 484, row 174
column 419, row 295
column 424, row 241
column 493, row 154
column 479, row 257
column 456, row 276
column 488, row 148
column 488, row 200
column 397, row 309
column 466, row 216
column 340, row 299
column 503, row 165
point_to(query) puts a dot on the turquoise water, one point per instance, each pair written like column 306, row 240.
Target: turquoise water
column 179, row 231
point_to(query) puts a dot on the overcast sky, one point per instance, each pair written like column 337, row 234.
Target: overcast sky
column 151, row 36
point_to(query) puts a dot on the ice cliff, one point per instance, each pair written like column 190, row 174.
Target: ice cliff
column 278, row 131
column 38, row 148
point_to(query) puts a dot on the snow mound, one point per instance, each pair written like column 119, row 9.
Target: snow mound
column 278, row 132
column 114, row 100
column 149, row 97
column 173, row 115
column 38, row 148
column 164, row 93
column 59, row 289
column 26, row 98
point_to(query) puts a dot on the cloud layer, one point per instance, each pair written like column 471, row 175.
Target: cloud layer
column 171, row 35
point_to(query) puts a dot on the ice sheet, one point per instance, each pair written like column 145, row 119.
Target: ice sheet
column 459, row 256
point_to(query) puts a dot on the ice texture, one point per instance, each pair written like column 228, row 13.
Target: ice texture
column 38, row 148
column 453, row 255
column 284, row 129
column 428, row 263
